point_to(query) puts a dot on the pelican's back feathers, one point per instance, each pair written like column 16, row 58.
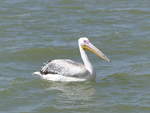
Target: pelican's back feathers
column 65, row 67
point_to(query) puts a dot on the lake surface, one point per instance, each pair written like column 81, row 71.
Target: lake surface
column 34, row 31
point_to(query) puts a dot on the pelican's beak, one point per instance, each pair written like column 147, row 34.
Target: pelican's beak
column 96, row 51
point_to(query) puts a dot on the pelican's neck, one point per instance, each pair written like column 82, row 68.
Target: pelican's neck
column 86, row 61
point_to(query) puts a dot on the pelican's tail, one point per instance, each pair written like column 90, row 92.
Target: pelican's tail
column 36, row 73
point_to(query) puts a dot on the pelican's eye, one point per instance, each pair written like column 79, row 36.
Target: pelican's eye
column 86, row 42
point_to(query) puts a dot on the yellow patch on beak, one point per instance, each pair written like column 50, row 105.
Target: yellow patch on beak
column 96, row 51
column 87, row 48
column 93, row 50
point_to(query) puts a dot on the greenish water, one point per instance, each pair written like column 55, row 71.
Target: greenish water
column 34, row 31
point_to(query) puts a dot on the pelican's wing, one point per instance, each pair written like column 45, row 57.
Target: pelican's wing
column 65, row 67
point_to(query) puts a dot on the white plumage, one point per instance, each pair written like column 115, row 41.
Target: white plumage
column 65, row 67
column 68, row 70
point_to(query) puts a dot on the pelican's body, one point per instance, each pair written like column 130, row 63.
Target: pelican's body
column 68, row 70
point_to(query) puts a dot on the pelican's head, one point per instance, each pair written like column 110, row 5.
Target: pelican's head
column 87, row 45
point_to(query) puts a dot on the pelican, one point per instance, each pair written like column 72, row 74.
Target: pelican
column 68, row 70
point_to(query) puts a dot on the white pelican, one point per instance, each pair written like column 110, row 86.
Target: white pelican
column 68, row 70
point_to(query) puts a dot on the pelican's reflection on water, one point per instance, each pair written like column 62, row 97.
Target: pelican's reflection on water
column 73, row 91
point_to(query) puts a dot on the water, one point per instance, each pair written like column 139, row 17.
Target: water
column 34, row 31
